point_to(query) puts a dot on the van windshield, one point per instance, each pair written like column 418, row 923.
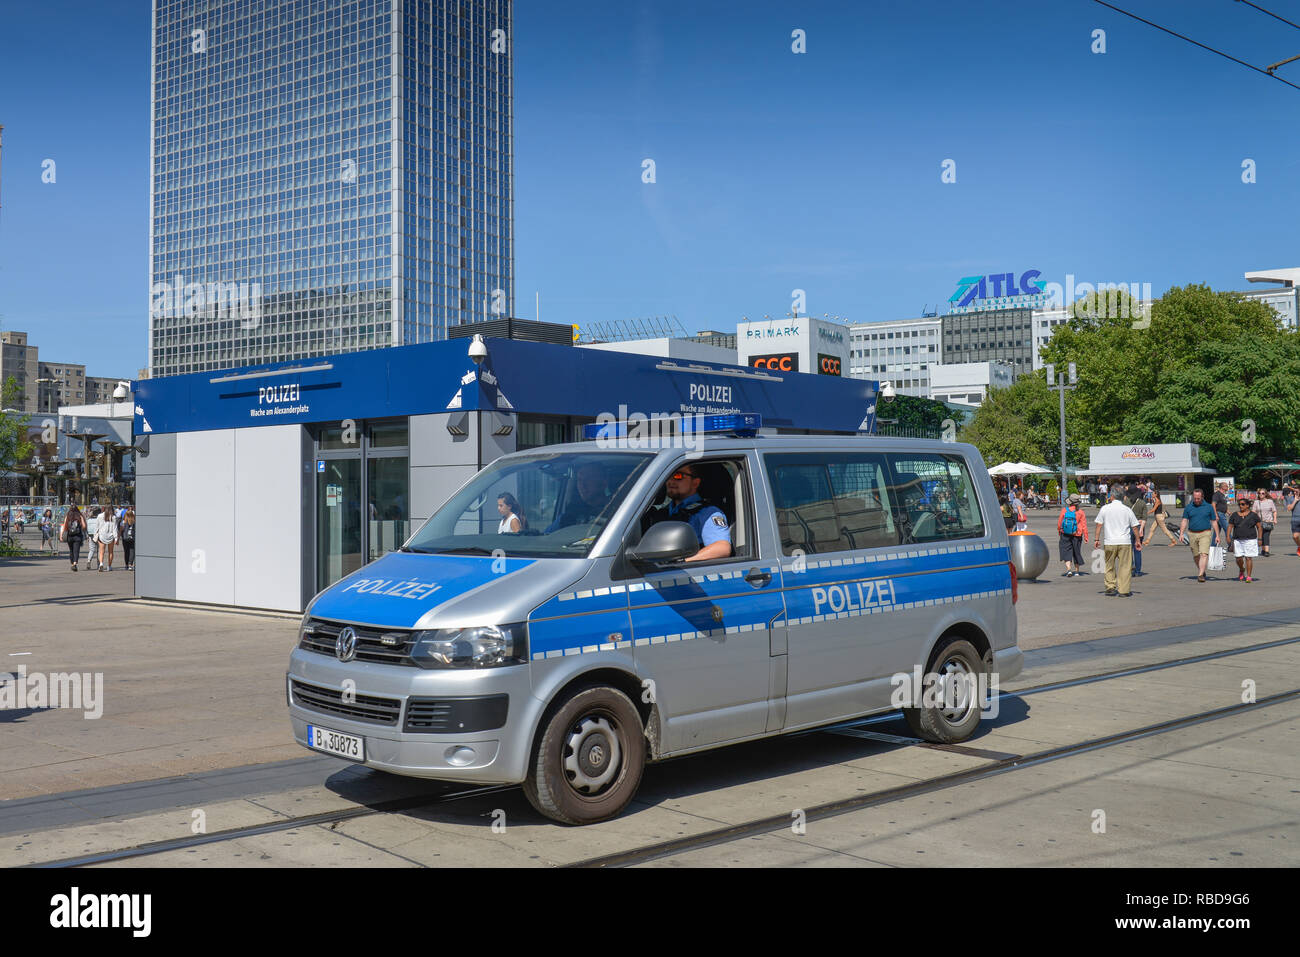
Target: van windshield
column 547, row 505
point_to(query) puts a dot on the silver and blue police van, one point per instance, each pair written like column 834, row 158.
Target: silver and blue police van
column 561, row 621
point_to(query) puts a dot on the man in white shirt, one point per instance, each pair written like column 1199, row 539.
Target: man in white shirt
column 1116, row 530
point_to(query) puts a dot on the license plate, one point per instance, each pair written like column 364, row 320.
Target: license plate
column 336, row 742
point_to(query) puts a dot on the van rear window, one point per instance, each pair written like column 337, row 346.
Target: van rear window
column 843, row 501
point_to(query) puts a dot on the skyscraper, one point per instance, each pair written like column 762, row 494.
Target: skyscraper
column 328, row 176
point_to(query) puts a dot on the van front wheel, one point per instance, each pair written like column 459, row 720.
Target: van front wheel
column 589, row 758
column 953, row 713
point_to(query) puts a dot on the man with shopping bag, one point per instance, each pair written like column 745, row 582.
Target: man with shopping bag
column 1115, row 527
column 1198, row 525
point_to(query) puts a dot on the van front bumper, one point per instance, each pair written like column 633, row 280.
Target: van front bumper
column 378, row 703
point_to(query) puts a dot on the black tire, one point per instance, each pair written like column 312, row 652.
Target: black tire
column 597, row 780
column 955, row 657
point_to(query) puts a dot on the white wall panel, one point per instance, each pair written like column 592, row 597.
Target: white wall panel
column 205, row 516
column 268, row 517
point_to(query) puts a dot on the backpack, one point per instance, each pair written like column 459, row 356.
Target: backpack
column 128, row 531
column 1069, row 522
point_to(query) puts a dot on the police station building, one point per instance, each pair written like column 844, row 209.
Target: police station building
column 258, row 487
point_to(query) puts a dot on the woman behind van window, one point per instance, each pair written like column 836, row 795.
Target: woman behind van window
column 512, row 515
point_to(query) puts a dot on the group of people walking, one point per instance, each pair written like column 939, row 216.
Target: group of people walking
column 1132, row 516
column 102, row 529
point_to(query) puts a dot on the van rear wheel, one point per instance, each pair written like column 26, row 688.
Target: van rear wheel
column 955, row 712
column 589, row 758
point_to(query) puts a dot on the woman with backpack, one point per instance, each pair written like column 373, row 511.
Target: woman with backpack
column 1073, row 528
column 126, row 532
column 73, row 531
column 106, row 535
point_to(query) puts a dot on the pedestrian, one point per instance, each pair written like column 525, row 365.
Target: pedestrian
column 1267, row 510
column 1157, row 520
column 1220, row 500
column 1115, row 524
column 73, row 531
column 46, row 526
column 1198, row 524
column 126, row 532
column 1137, row 503
column 1243, row 533
column 1103, row 488
column 1009, row 516
column 1018, row 510
column 106, row 536
column 92, row 533
column 1072, row 526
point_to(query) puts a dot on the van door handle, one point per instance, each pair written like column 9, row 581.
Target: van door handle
column 758, row 577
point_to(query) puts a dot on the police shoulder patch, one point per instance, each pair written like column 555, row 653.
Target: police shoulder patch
column 720, row 520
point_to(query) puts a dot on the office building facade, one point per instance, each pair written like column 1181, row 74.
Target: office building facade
column 990, row 335
column 327, row 176
column 44, row 386
column 900, row 353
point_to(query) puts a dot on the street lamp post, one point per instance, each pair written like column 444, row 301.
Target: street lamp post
column 1058, row 384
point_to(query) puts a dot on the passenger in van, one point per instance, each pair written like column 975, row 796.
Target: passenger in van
column 512, row 515
column 708, row 522
column 593, row 496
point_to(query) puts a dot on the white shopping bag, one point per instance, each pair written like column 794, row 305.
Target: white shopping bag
column 1215, row 563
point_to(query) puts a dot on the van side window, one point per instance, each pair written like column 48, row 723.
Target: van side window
column 934, row 497
column 724, row 484
column 831, row 503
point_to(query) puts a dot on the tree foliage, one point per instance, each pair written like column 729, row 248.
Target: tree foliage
column 916, row 413
column 14, row 447
column 1205, row 367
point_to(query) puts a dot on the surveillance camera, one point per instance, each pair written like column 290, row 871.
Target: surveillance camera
column 121, row 393
column 887, row 392
column 477, row 350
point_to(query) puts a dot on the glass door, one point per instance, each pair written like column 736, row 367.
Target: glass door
column 338, row 519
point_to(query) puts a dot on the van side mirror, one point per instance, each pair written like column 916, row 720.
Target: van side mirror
column 664, row 542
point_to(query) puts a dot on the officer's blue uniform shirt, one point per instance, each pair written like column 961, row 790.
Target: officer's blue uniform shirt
column 709, row 523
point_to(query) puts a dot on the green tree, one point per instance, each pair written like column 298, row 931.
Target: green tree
column 1019, row 423
column 14, row 447
column 1241, row 403
column 913, row 412
column 1131, row 366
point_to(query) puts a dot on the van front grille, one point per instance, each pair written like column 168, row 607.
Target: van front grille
column 358, row 707
column 377, row 645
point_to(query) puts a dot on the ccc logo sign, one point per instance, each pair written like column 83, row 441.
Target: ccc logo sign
column 785, row 362
column 830, row 365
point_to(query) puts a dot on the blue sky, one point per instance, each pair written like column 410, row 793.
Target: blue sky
column 775, row 171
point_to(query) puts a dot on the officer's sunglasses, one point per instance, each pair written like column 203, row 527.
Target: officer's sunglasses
column 678, row 476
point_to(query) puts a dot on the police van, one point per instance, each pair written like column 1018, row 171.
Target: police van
column 577, row 610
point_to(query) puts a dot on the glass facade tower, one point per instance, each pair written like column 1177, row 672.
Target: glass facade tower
column 328, row 176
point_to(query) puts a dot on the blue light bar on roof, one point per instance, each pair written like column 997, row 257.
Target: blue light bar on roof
column 735, row 423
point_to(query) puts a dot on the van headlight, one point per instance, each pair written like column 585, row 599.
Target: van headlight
column 486, row 646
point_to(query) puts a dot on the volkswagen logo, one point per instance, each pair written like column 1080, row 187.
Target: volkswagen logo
column 345, row 645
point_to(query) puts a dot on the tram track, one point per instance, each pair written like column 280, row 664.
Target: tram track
column 999, row 763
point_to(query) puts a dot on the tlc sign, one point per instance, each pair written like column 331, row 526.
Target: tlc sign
column 970, row 288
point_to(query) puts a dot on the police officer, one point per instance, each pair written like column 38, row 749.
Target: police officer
column 707, row 521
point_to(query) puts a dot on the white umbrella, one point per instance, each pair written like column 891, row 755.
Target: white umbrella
column 1006, row 468
column 1027, row 469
